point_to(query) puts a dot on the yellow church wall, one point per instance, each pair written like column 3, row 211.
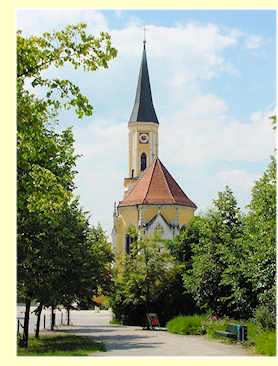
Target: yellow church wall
column 185, row 215
column 169, row 213
column 144, row 148
column 120, row 229
column 129, row 215
column 149, row 212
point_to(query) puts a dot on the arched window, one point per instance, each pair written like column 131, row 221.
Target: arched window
column 143, row 161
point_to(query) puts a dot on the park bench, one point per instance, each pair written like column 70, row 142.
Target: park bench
column 234, row 331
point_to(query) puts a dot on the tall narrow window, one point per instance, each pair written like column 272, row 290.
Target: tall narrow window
column 143, row 161
column 128, row 241
column 127, row 244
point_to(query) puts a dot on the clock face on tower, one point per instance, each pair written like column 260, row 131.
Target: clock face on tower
column 143, row 138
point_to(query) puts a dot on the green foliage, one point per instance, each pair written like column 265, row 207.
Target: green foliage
column 232, row 267
column 68, row 345
column 181, row 247
column 265, row 343
column 71, row 45
column 274, row 122
column 139, row 277
column 214, row 255
column 259, row 239
column 147, row 280
column 265, row 318
column 210, row 326
column 114, row 321
column 186, row 325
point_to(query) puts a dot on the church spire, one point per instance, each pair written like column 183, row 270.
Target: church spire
column 143, row 109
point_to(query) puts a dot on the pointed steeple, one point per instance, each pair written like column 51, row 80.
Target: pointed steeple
column 143, row 109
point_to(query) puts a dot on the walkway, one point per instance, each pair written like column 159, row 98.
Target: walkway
column 133, row 341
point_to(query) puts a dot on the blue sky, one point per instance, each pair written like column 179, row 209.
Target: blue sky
column 213, row 82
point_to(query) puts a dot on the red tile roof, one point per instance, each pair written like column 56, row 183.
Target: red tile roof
column 156, row 186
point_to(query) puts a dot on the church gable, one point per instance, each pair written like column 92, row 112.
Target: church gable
column 159, row 223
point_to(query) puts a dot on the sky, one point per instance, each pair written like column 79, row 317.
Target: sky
column 213, row 81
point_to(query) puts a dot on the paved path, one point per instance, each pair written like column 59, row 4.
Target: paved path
column 133, row 341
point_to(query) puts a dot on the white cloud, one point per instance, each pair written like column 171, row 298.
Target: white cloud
column 193, row 50
column 237, row 178
column 210, row 134
column 102, row 167
column 119, row 13
column 36, row 21
column 254, row 41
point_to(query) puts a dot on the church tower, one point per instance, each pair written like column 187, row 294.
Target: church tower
column 152, row 199
column 143, row 127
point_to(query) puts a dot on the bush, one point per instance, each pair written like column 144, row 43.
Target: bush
column 265, row 343
column 115, row 321
column 210, row 326
column 265, row 318
column 186, row 325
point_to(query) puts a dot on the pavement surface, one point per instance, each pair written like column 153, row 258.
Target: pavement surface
column 134, row 341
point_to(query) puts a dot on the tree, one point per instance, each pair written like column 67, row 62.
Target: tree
column 214, row 255
column 181, row 247
column 259, row 240
column 72, row 265
column 141, row 276
column 45, row 185
column 45, row 158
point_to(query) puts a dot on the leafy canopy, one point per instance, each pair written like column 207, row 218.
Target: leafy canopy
column 72, row 45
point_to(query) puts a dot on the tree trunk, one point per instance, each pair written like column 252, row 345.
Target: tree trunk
column 39, row 311
column 26, row 322
column 147, row 305
column 68, row 311
column 52, row 318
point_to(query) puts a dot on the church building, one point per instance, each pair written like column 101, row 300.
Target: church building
column 152, row 198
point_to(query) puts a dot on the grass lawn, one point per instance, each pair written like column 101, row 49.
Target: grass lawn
column 60, row 345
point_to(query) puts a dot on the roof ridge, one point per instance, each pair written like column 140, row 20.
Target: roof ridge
column 167, row 183
column 167, row 172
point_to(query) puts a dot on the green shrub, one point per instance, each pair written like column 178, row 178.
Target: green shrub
column 115, row 321
column 186, row 324
column 265, row 343
column 265, row 317
column 210, row 326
